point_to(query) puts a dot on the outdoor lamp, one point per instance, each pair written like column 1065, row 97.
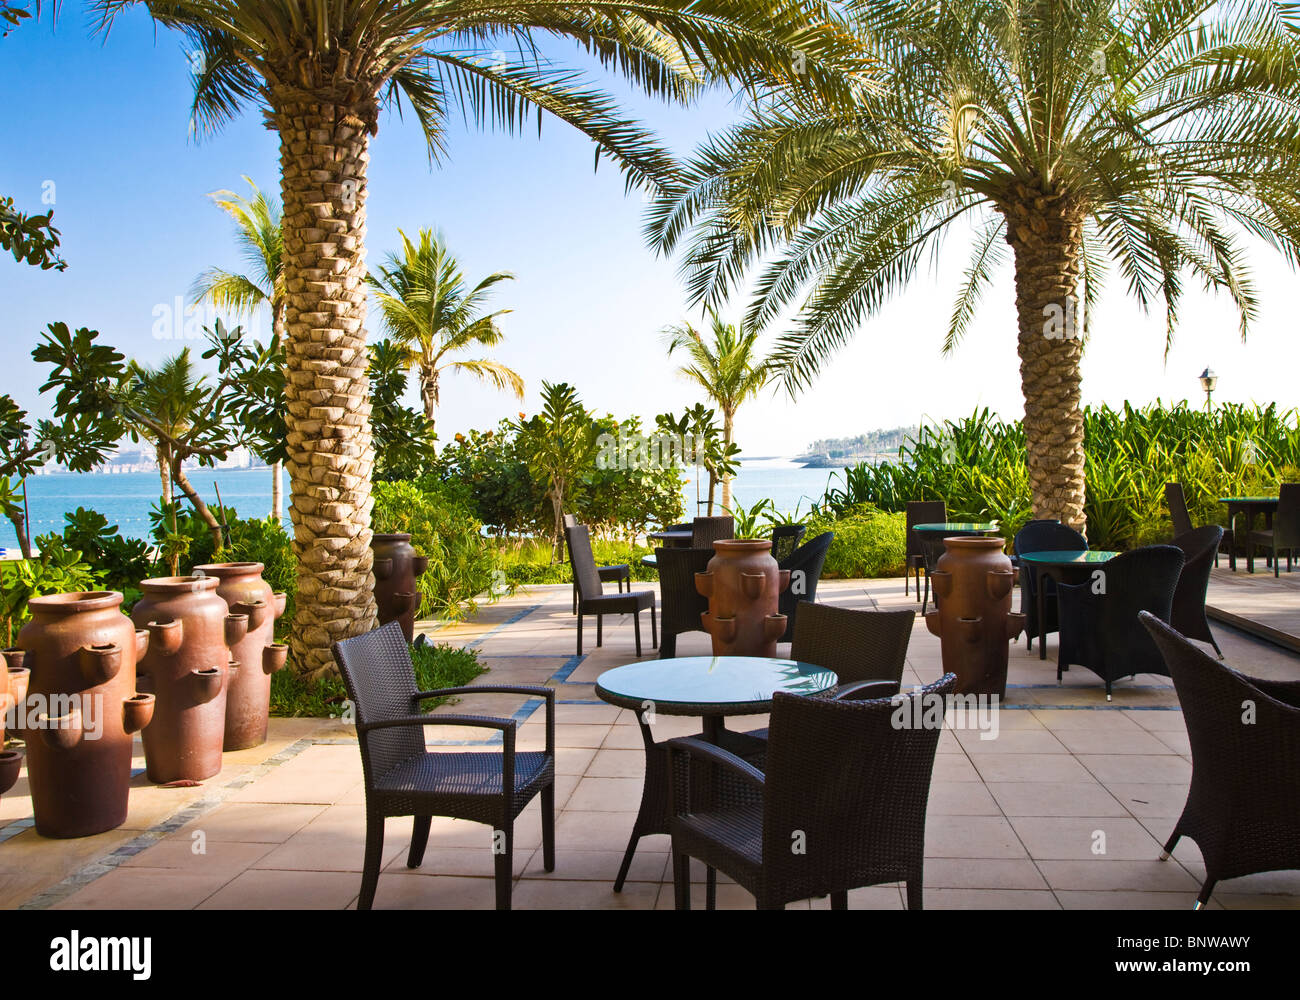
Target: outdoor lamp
column 1208, row 381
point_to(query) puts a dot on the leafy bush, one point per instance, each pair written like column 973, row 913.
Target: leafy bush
column 57, row 570
column 528, row 561
column 868, row 543
column 263, row 540
column 440, row 666
column 120, row 562
column 462, row 563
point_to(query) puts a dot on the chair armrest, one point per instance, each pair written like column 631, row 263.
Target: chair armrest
column 533, row 690
column 1287, row 692
column 482, row 721
column 867, row 690
column 701, row 750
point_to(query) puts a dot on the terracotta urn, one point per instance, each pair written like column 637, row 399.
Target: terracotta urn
column 80, row 711
column 187, row 668
column 743, row 584
column 974, row 620
column 14, row 679
column 248, row 698
column 396, row 569
column 11, row 763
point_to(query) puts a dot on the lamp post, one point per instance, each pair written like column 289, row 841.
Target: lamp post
column 1208, row 381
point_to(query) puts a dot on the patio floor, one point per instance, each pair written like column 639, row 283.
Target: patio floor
column 1066, row 808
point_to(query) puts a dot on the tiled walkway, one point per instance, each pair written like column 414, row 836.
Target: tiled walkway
column 1067, row 807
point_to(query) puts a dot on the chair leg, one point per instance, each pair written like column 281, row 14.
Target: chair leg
column 1214, row 644
column 579, row 633
column 840, row 900
column 1277, row 563
column 504, row 864
column 925, row 601
column 914, row 901
column 1203, row 896
column 374, row 858
column 654, row 629
column 575, row 598
column 710, row 888
column 419, row 839
column 668, row 648
column 681, row 880
column 636, row 628
column 548, row 827
column 1170, row 844
column 907, row 579
column 600, row 625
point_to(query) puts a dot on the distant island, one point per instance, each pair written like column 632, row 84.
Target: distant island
column 837, row 453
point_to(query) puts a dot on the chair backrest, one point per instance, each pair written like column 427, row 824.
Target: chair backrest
column 681, row 604
column 380, row 680
column 850, row 783
column 707, row 530
column 1198, row 547
column 923, row 512
column 570, row 520
column 1141, row 580
column 807, row 561
column 1286, row 522
column 1048, row 536
column 582, row 562
column 857, row 645
column 785, row 539
column 1176, row 500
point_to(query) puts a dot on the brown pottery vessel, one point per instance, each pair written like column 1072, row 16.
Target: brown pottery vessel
column 974, row 620
column 248, row 698
column 187, row 668
column 743, row 584
column 396, row 569
column 14, row 679
column 81, row 709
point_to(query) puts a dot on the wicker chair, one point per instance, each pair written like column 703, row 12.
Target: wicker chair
column 707, row 530
column 681, row 604
column 1200, row 547
column 860, row 646
column 805, row 565
column 1176, row 500
column 403, row 778
column 593, row 601
column 1243, row 807
column 619, row 573
column 840, row 774
column 1284, row 535
column 920, row 512
column 1101, row 631
column 785, row 539
column 1042, row 536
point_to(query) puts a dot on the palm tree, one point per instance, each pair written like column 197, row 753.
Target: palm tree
column 727, row 368
column 1148, row 136
column 257, row 231
column 321, row 73
column 427, row 308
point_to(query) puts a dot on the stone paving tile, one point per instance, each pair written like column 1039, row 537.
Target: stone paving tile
column 1085, row 837
column 145, row 889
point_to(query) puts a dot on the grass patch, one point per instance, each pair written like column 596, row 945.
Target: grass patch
column 440, row 666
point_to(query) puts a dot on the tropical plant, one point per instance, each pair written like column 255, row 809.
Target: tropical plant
column 120, row 562
column 558, row 443
column 493, row 471
column 727, row 368
column 405, row 443
column 701, row 439
column 58, row 570
column 431, row 312
column 1150, row 136
column 752, row 522
column 322, row 72
column 261, row 243
column 626, row 496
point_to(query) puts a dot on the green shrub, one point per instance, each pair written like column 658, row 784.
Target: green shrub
column 868, row 543
column 57, row 570
column 462, row 562
column 263, row 540
column 440, row 666
column 120, row 562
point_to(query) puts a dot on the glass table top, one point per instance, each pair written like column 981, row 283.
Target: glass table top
column 1060, row 557
column 708, row 685
column 1247, row 499
column 956, row 526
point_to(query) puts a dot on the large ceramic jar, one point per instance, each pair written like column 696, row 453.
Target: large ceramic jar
column 248, row 698
column 396, row 569
column 743, row 584
column 187, row 667
column 974, row 620
column 13, row 686
column 81, row 710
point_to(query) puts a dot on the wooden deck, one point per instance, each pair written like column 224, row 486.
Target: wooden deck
column 1257, row 603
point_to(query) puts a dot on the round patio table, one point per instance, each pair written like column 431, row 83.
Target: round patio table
column 712, row 687
column 1063, row 566
column 931, row 535
column 1250, row 506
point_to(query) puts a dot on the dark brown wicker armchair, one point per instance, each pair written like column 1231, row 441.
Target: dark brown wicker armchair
column 1243, row 807
column 805, row 565
column 403, row 778
column 840, row 776
column 920, row 512
column 617, row 573
column 1200, row 547
column 592, row 600
column 681, row 604
column 707, row 530
column 785, row 539
column 1176, row 500
column 1284, row 535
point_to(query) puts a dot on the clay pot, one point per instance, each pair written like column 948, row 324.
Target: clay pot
column 82, row 653
column 187, row 669
column 396, row 569
column 248, row 699
column 743, row 584
column 974, row 620
column 11, row 762
column 14, row 678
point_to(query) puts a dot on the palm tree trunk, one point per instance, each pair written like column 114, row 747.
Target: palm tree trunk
column 727, row 428
column 323, row 157
column 429, row 392
column 1047, row 238
column 277, row 498
column 164, row 473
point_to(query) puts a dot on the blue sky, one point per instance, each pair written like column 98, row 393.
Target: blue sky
column 107, row 123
